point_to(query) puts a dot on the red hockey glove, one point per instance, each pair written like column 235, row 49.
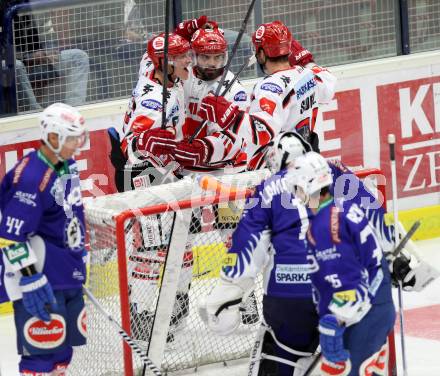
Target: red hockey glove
column 194, row 154
column 187, row 28
column 156, row 141
column 219, row 110
column 299, row 55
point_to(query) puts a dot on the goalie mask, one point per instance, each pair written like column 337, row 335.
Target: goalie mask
column 65, row 121
column 283, row 150
column 210, row 53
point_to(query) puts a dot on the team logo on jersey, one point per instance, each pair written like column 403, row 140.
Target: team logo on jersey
column 152, row 104
column 240, row 96
column 260, row 32
column 81, row 322
column 45, row 336
column 272, row 87
column 292, row 274
column 74, row 234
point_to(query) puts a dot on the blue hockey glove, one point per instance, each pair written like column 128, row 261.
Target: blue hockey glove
column 37, row 293
column 331, row 339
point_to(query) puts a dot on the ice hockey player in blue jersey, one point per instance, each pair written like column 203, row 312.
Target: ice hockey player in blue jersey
column 270, row 238
column 42, row 268
column 413, row 273
column 350, row 276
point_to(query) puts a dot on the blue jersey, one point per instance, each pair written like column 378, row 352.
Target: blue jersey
column 271, row 236
column 346, row 256
column 348, row 187
column 42, row 204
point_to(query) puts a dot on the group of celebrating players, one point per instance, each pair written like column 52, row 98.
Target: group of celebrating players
column 325, row 254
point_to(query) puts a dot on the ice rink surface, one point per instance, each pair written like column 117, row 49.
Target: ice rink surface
column 422, row 328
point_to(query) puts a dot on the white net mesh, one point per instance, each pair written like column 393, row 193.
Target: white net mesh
column 188, row 343
column 150, row 242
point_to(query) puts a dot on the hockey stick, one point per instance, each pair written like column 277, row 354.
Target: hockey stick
column 252, row 60
column 165, row 65
column 123, row 333
column 406, row 238
column 391, row 143
column 313, row 365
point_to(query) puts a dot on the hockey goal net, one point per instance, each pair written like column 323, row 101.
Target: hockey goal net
column 154, row 255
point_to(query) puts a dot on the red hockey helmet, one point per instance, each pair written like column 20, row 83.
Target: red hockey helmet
column 176, row 46
column 208, row 41
column 274, row 38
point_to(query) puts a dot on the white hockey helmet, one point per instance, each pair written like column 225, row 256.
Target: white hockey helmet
column 283, row 149
column 67, row 122
column 311, row 172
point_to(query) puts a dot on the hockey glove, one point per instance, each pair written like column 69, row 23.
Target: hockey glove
column 187, row 28
column 219, row 110
column 414, row 275
column 194, row 154
column 331, row 339
column 37, row 294
column 156, row 141
column 299, row 55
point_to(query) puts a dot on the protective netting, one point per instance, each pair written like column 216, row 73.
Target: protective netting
column 146, row 238
column 154, row 255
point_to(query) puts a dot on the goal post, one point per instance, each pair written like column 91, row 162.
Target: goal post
column 154, row 254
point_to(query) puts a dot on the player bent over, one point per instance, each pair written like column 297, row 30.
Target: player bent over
column 350, row 276
column 42, row 234
column 270, row 238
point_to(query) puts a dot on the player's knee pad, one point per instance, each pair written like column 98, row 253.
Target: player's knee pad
column 376, row 364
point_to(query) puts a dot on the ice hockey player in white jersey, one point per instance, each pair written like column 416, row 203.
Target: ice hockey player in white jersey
column 42, row 245
column 270, row 239
column 145, row 143
column 214, row 149
column 285, row 100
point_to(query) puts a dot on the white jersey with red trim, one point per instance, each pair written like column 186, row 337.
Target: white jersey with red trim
column 145, row 109
column 228, row 148
column 286, row 100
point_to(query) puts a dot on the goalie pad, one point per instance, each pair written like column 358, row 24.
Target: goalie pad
column 220, row 311
column 263, row 350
